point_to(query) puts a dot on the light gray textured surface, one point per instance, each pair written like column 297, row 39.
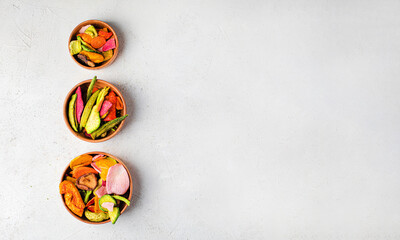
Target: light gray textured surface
column 249, row 119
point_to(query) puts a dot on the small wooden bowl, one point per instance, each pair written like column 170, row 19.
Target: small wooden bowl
column 84, row 85
column 97, row 24
column 127, row 195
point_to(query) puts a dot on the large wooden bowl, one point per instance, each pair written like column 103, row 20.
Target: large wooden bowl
column 84, row 85
column 97, row 24
column 127, row 195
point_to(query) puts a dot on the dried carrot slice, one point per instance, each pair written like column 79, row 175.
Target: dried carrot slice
column 96, row 205
column 95, row 89
column 77, row 172
column 107, row 35
column 72, row 197
column 112, row 97
column 98, row 42
column 112, row 114
column 91, row 202
column 81, row 160
column 91, row 208
column 78, row 166
column 86, row 37
column 119, row 106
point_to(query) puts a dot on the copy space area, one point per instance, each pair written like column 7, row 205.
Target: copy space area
column 247, row 119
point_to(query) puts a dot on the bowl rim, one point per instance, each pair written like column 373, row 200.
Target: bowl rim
column 130, row 188
column 65, row 110
column 94, row 22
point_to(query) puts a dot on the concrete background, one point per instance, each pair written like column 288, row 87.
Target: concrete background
column 249, row 119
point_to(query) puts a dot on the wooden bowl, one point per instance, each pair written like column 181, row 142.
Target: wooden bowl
column 97, row 24
column 84, row 85
column 127, row 195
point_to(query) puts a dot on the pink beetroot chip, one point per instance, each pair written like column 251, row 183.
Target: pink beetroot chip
column 101, row 191
column 97, row 157
column 117, row 180
column 93, row 164
column 108, row 205
column 110, row 44
column 79, row 104
column 105, row 108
